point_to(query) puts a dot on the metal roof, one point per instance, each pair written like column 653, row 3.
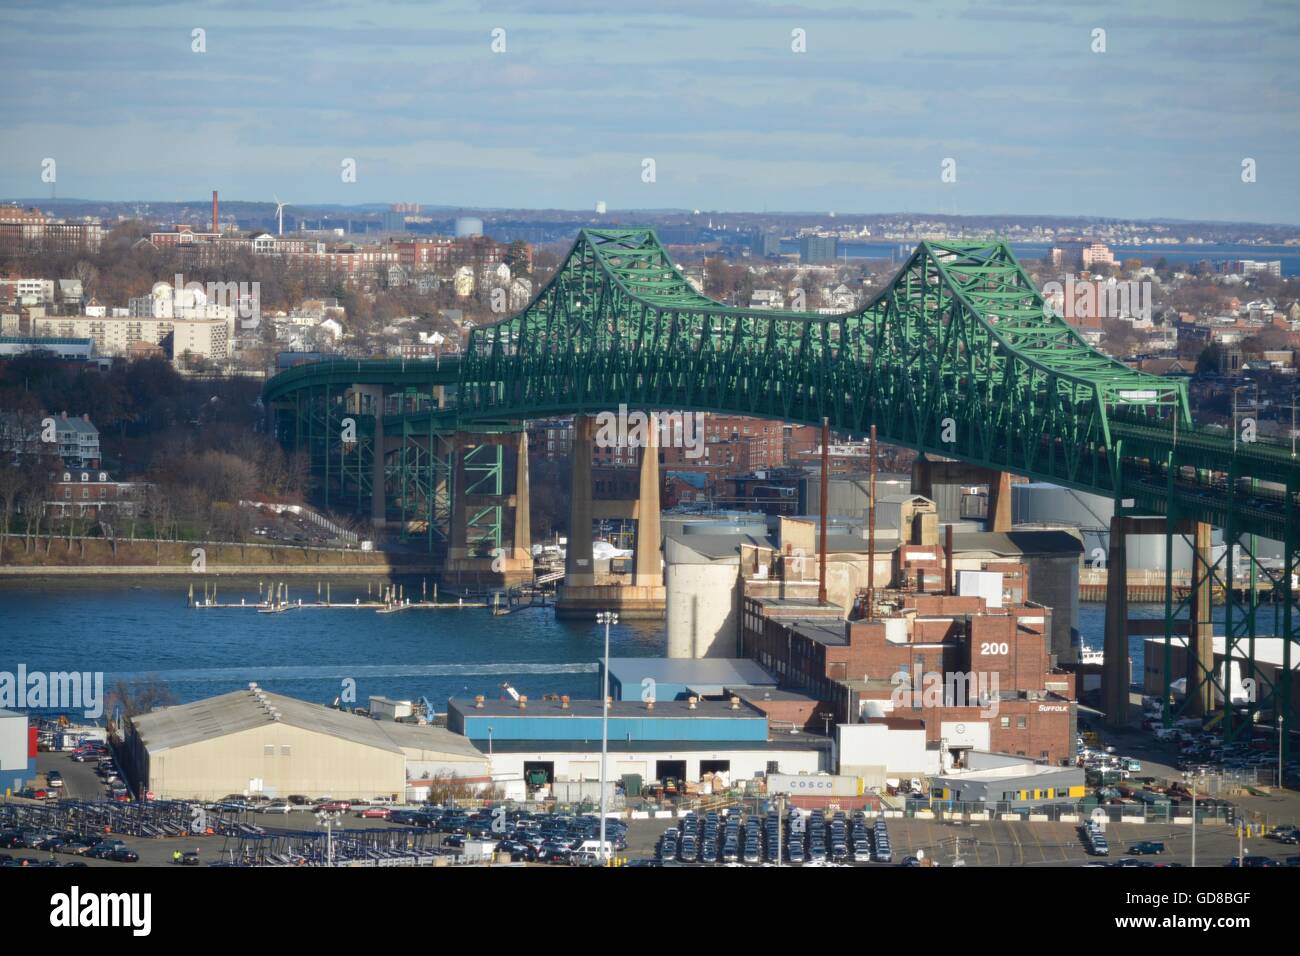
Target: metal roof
column 777, row 742
column 672, row 709
column 243, row 710
column 720, row 671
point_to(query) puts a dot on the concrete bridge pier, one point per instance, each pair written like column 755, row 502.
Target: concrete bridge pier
column 930, row 474
column 579, row 571
column 586, row 592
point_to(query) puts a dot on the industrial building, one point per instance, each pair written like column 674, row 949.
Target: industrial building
column 17, row 751
column 975, row 631
column 1004, row 783
column 660, row 678
column 708, row 575
column 535, row 745
column 252, row 741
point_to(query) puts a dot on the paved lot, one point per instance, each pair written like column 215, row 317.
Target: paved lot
column 999, row 843
column 992, row 843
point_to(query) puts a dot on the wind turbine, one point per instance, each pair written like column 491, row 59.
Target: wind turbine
column 279, row 214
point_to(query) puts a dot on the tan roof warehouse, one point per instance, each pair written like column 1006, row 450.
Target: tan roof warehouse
column 252, row 740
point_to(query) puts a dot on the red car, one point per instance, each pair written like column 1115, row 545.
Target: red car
column 375, row 813
column 336, row 806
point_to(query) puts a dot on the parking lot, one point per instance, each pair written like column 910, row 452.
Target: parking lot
column 985, row 843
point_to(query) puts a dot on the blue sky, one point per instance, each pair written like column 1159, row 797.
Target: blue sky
column 1038, row 123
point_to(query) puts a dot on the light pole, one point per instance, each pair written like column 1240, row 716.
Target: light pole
column 328, row 821
column 780, row 822
column 607, row 618
column 1191, row 777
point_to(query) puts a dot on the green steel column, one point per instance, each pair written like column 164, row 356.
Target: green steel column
column 1115, row 676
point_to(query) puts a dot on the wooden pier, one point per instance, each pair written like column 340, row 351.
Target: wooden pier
column 390, row 600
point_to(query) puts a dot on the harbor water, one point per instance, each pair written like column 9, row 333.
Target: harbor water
column 143, row 629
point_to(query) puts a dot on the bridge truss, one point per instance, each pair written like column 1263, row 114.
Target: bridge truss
column 958, row 357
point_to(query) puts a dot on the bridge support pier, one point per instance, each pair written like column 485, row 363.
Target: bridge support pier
column 1200, row 689
column 999, row 509
column 583, row 592
column 1115, row 669
column 579, row 572
column 930, row 474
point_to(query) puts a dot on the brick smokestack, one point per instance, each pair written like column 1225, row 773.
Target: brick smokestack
column 216, row 223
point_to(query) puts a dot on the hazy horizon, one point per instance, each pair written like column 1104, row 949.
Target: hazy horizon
column 748, row 107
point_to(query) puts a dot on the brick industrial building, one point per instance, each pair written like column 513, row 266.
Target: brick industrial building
column 980, row 659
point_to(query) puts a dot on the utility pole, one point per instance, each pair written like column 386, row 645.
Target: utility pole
column 780, row 824
column 607, row 618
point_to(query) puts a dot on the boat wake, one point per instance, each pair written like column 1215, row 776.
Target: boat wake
column 341, row 671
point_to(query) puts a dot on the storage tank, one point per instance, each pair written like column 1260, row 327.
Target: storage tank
column 1040, row 503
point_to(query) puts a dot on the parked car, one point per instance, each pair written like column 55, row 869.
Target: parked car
column 1146, row 847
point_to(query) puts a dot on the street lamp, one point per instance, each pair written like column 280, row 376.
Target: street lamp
column 607, row 618
column 1191, row 778
column 328, row 820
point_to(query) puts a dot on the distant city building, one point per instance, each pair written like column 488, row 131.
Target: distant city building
column 67, row 348
column 766, row 244
column 27, row 291
column 1253, row 267
column 76, row 439
column 766, row 299
column 91, row 493
column 817, row 249
column 30, row 230
column 1098, row 254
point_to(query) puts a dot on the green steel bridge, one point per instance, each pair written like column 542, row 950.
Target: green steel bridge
column 958, row 358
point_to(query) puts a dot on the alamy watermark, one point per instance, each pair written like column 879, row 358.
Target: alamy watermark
column 953, row 689
column 243, row 299
column 636, row 429
column 1098, row 299
column 53, row 690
